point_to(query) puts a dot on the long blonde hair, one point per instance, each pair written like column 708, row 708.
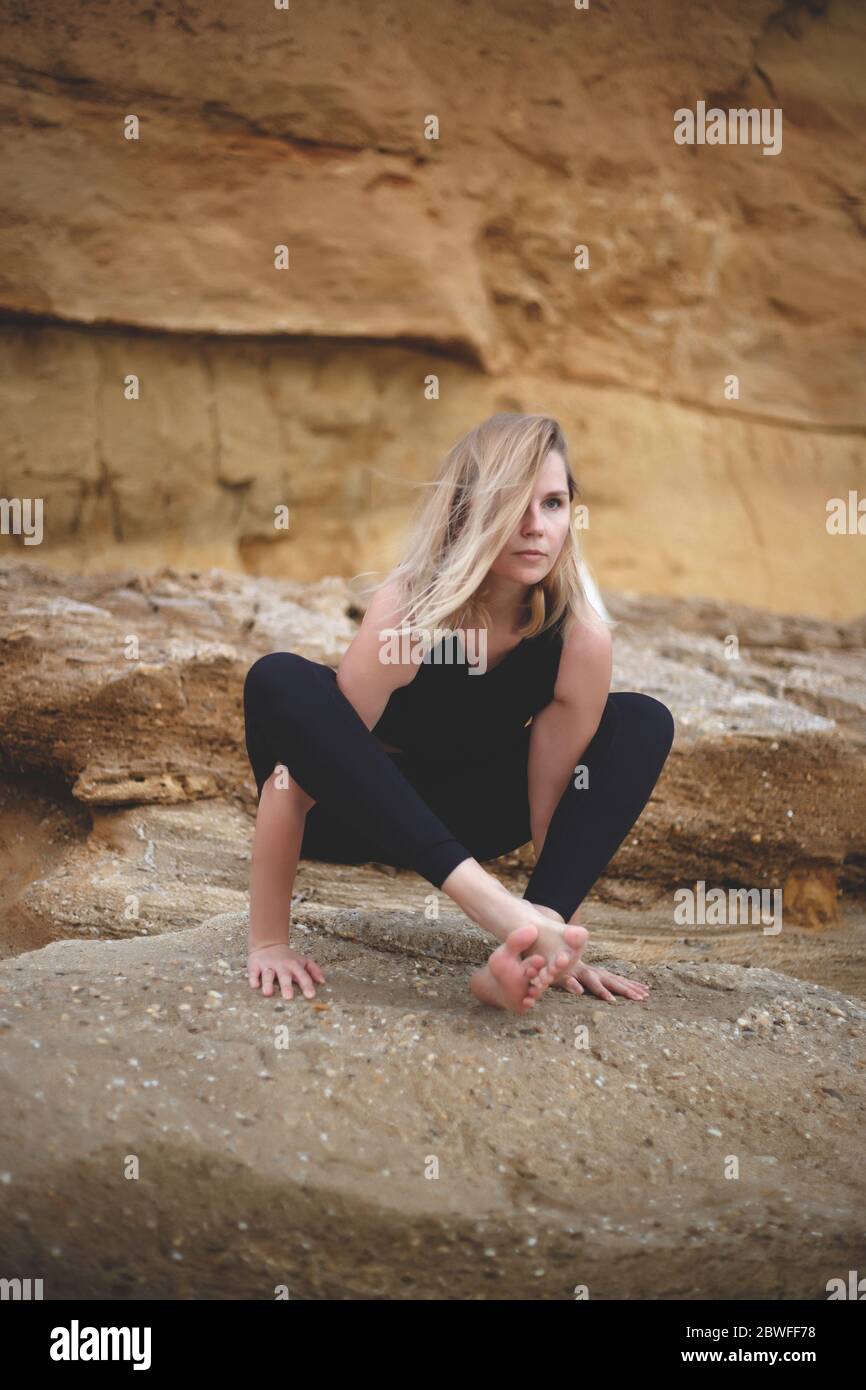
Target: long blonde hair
column 476, row 501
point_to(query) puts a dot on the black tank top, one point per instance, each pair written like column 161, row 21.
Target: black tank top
column 445, row 709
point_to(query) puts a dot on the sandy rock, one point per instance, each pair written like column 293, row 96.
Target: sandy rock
column 136, row 698
column 765, row 786
column 144, row 870
column 393, row 1137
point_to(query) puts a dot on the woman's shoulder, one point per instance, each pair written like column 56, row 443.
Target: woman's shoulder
column 376, row 658
column 585, row 655
column 581, row 642
column 576, row 628
column 385, row 606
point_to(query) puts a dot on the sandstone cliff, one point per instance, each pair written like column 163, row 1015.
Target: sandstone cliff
column 410, row 258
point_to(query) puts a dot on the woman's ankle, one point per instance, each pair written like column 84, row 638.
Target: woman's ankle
column 550, row 912
column 474, row 890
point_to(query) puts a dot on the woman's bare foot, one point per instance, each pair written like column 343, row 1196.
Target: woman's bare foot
column 508, row 980
column 503, row 913
column 603, row 983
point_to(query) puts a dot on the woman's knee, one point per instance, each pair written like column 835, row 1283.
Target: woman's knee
column 275, row 671
column 652, row 715
column 291, row 791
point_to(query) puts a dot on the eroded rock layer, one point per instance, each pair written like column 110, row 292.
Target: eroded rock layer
column 409, row 257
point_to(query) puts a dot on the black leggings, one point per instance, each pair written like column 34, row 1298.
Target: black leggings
column 429, row 814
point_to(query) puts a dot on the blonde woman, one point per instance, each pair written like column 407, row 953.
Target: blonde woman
column 470, row 714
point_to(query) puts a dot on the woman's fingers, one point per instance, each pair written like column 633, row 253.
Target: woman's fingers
column 284, row 973
column 303, row 970
column 303, row 980
column 603, row 992
column 633, row 988
column 602, row 982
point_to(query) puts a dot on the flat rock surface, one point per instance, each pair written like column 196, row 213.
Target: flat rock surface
column 167, row 1132
column 186, row 1138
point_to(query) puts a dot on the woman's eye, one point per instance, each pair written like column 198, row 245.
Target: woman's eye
column 557, row 501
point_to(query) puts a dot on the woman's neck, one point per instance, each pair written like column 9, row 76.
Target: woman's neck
column 506, row 615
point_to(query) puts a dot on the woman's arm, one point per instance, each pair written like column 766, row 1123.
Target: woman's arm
column 563, row 730
column 367, row 683
column 364, row 678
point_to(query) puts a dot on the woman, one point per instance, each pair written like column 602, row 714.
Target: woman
column 433, row 764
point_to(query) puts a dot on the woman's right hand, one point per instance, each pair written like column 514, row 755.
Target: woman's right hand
column 264, row 963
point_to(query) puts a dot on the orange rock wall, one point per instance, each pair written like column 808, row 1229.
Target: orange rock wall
column 308, row 386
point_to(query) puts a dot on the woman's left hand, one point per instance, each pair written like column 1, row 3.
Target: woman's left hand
column 602, row 982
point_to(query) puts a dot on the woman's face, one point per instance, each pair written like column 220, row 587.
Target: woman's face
column 543, row 527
